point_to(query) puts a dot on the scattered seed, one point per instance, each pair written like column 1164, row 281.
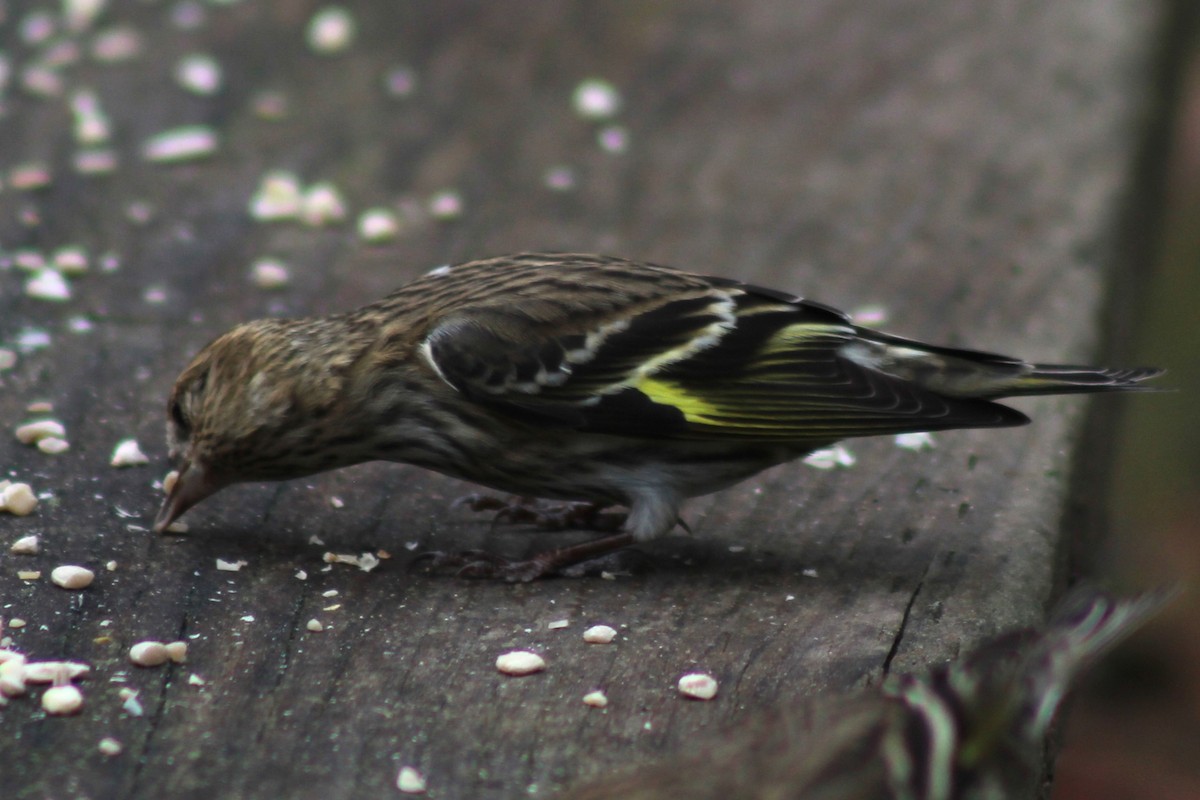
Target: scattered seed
column 52, row 445
column 71, row 260
column 322, row 204
column 177, row 652
column 337, row 502
column 315, row 626
column 270, row 273
column 16, row 623
column 25, row 546
column 599, row 634
column 12, row 677
column 198, row 73
column 596, row 699
column 195, row 680
column 230, row 566
column 520, row 662
column 56, row 672
column 921, row 440
column 698, row 685
column 279, row 196
column 830, row 457
column 33, row 432
column 117, row 44
column 364, row 561
column 595, row 98
column 70, row 576
column 410, row 781
column 378, row 225
column 29, row 176
column 331, row 30
column 108, row 746
column 29, row 575
column 95, row 162
column 130, row 702
column 42, row 81
column 48, row 284
column 613, row 139
column 62, row 700
column 149, row 654
column 18, row 499
column 446, row 204
column 180, row 144
column 128, row 454
column 558, row 624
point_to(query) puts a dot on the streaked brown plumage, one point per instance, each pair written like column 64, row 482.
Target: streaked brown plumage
column 575, row 377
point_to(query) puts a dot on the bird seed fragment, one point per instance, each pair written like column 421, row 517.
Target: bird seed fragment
column 599, row 634
column 28, row 575
column 331, row 30
column 52, row 445
column 314, row 625
column 596, row 98
column 270, row 273
column 322, row 204
column 378, row 225
column 108, row 746
column 48, row 284
column 18, row 499
column 230, row 566
column 180, row 144
column 149, row 654
column 596, row 699
column 520, row 662
column 278, row 197
column 25, row 546
column 699, row 686
column 127, row 453
column 199, row 74
column 410, row 781
column 558, row 624
column 177, row 652
column 69, row 576
column 62, row 700
column 33, row 432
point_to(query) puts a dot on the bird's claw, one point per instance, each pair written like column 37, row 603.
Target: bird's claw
column 485, row 565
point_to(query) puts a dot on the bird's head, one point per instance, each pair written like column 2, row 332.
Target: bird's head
column 250, row 407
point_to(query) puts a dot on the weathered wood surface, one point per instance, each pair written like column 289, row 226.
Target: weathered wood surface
column 959, row 163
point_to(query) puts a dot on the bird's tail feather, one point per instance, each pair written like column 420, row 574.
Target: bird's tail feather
column 1066, row 378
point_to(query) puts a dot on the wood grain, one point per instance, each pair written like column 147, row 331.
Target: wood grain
column 959, row 164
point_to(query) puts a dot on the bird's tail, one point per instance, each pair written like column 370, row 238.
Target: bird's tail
column 1065, row 379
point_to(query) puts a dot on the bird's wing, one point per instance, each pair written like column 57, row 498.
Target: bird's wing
column 694, row 358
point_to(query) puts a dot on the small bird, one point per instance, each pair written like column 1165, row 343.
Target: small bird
column 576, row 378
column 973, row 729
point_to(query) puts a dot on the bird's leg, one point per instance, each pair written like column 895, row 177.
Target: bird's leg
column 547, row 516
column 481, row 564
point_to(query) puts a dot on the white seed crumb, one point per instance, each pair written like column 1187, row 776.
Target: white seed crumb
column 70, row 260
column 230, row 566
column 80, row 14
column 301, row 575
column 111, row 566
column 595, row 98
column 178, row 526
column 195, row 680
column 364, row 561
column 130, row 703
column 599, row 634
column 698, row 685
column 314, row 625
column 56, row 672
column 149, row 654
column 108, row 746
column 270, row 273
column 199, row 74
column 29, row 176
column 12, row 677
column 278, row 197
column 410, row 781
column 25, row 546
column 127, row 453
column 40, row 407
column 32, row 432
column 92, row 125
column 322, row 204
column 180, row 144
column 79, row 325
column 62, row 700
column 613, row 139
column 809, row 573
column 69, row 576
column 95, row 162
column 331, row 30
column 169, row 480
column 830, row 457
column 596, row 699
column 520, row 662
column 329, row 593
column 558, row 624
column 921, row 440
column 337, row 502
column 446, row 204
column 116, row 44
column 18, row 499
column 29, row 575
column 378, row 225
column 52, row 445
column 16, row 622
column 177, row 652
column 48, row 284
column 42, row 81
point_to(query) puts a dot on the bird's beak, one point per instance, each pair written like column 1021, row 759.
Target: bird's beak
column 193, row 485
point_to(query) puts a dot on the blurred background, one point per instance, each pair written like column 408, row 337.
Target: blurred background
column 1135, row 730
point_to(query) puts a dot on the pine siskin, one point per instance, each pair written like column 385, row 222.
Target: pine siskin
column 974, row 729
column 575, row 377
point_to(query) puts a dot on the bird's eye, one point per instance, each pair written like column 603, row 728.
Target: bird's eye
column 177, row 417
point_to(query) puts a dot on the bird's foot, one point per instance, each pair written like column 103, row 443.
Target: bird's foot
column 570, row 561
column 545, row 515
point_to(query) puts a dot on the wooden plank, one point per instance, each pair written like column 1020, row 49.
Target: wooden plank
column 958, row 164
